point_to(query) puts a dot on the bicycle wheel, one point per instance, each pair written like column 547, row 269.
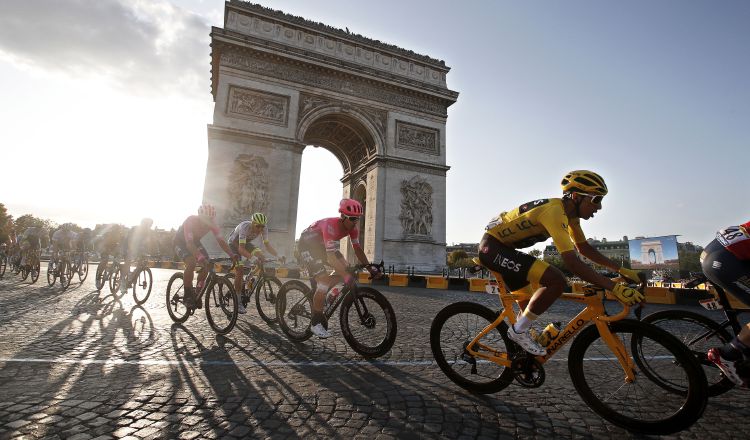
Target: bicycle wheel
column 35, row 270
column 51, row 273
column 65, row 274
column 114, row 280
column 176, row 299
column 221, row 305
column 102, row 276
column 698, row 333
column 368, row 322
column 24, row 272
column 294, row 310
column 142, row 285
column 83, row 269
column 452, row 330
column 265, row 298
column 642, row 406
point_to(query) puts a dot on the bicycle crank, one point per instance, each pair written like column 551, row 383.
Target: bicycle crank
column 527, row 371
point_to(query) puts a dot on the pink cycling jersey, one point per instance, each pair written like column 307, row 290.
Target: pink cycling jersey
column 736, row 239
column 194, row 229
column 332, row 230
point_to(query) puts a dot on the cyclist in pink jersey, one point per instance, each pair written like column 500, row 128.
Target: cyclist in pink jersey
column 726, row 262
column 318, row 247
column 188, row 246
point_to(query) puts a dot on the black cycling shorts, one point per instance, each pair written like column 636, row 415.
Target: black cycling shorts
column 517, row 268
column 727, row 271
column 313, row 254
column 180, row 248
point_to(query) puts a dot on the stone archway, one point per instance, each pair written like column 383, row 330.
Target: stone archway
column 281, row 83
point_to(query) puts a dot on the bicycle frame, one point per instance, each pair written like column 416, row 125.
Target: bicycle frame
column 593, row 312
column 210, row 277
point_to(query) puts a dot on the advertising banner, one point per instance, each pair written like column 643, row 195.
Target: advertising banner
column 654, row 253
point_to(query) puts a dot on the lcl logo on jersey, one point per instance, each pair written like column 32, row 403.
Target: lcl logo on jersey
column 507, row 263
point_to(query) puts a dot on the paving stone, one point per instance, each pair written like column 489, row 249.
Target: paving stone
column 275, row 389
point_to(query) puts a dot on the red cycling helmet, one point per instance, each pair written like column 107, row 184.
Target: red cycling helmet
column 207, row 210
column 350, row 207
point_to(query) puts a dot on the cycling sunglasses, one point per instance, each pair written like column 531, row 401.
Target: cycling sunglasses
column 351, row 218
column 596, row 200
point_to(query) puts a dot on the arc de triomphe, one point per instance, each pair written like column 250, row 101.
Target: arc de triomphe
column 281, row 83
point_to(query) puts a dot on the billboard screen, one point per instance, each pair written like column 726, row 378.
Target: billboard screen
column 654, row 253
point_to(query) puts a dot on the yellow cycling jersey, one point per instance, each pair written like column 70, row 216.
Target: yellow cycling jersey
column 535, row 222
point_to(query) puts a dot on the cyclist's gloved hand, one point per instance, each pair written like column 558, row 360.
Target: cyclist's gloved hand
column 200, row 258
column 630, row 274
column 374, row 271
column 627, row 295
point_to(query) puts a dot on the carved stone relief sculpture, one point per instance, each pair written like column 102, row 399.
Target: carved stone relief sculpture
column 247, row 185
column 417, row 138
column 257, row 105
column 416, row 208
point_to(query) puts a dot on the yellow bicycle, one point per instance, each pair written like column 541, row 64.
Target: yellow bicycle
column 470, row 344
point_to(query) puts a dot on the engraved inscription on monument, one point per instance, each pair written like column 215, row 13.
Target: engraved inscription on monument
column 417, row 138
column 247, row 185
column 416, row 208
column 257, row 105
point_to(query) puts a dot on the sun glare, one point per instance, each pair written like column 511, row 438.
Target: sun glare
column 320, row 187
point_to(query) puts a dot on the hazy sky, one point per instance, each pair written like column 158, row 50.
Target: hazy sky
column 104, row 98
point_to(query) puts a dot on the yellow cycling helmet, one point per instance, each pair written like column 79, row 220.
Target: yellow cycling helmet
column 584, row 181
column 259, row 218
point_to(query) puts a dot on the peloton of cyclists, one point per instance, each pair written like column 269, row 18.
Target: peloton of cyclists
column 133, row 245
column 535, row 222
column 61, row 240
column 241, row 242
column 188, row 247
column 30, row 240
column 726, row 262
column 107, row 242
column 318, row 248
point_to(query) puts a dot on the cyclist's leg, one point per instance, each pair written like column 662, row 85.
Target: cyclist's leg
column 313, row 256
column 181, row 251
column 520, row 272
column 202, row 274
column 725, row 270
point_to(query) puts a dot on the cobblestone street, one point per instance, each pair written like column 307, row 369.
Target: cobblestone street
column 82, row 364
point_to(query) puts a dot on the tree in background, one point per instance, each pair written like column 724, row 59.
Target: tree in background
column 73, row 227
column 28, row 220
column 536, row 253
column 455, row 256
column 6, row 222
column 690, row 259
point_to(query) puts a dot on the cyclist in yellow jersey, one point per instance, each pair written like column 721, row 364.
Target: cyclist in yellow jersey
column 535, row 222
